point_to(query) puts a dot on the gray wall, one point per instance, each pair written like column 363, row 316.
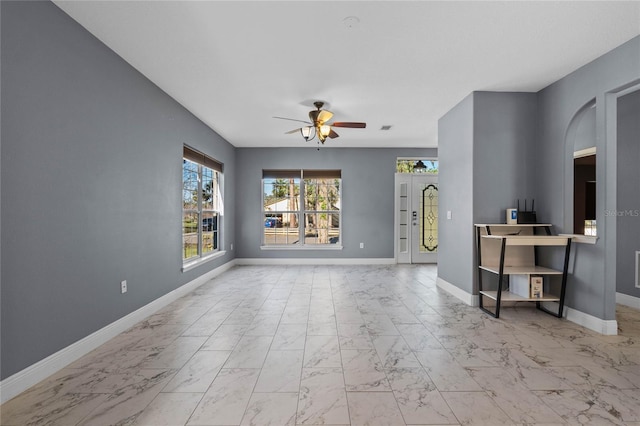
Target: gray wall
column 628, row 228
column 504, row 140
column 91, row 177
column 455, row 154
column 485, row 148
column 535, row 128
column 367, row 197
column 591, row 285
column 585, row 135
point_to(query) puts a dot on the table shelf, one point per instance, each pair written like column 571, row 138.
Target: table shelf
column 512, row 250
column 507, row 296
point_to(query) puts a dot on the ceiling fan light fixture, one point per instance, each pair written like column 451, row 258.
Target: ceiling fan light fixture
column 306, row 132
column 325, row 130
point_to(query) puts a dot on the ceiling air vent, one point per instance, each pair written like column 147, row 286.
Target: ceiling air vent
column 386, row 127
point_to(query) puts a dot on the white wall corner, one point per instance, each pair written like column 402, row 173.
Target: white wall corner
column 467, row 298
column 24, row 379
column 626, row 300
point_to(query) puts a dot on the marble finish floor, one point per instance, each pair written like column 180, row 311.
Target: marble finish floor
column 343, row 345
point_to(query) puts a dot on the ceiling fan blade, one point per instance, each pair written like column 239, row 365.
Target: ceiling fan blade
column 350, row 124
column 324, row 116
column 292, row 131
column 292, row 119
column 333, row 134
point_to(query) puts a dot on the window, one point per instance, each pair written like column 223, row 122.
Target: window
column 301, row 207
column 417, row 165
column 201, row 205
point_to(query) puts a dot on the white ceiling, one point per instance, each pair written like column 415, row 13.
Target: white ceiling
column 236, row 64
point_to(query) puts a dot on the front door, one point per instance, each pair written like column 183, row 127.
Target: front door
column 416, row 218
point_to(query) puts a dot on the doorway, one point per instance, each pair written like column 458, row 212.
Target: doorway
column 416, row 218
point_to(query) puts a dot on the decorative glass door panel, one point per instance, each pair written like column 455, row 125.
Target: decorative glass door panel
column 428, row 227
column 416, row 218
column 424, row 229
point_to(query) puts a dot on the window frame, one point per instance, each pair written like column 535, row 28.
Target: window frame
column 302, row 175
column 402, row 163
column 206, row 169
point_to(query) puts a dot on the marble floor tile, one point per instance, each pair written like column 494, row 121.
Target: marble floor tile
column 263, row 325
column 169, row 409
column 126, row 404
column 354, row 336
column 349, row 315
column 445, row 372
column 183, row 313
column 513, row 397
column 623, row 404
column 198, row 372
column 363, row 371
column 295, row 314
column 577, row 408
column 226, row 400
column 322, row 352
column 206, row 325
column 223, row 341
column 476, row 408
column 281, row 372
column 380, row 325
column 159, row 337
column 343, row 345
column 322, row 329
column 271, row 409
column 289, row 337
column 418, row 337
column 373, row 408
column 116, row 354
column 250, row 352
column 401, row 315
column 65, row 409
column 394, row 352
column 322, row 397
column 176, row 354
column 417, row 396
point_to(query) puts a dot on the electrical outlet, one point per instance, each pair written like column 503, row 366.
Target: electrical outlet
column 449, row 214
column 123, row 286
column 361, row 245
column 231, row 246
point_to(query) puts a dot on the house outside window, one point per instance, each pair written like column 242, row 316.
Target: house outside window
column 201, row 205
column 301, row 208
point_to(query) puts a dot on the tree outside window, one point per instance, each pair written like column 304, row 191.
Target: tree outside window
column 317, row 222
column 201, row 205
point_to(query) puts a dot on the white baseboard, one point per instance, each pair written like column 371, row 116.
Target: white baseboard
column 315, row 261
column 607, row 327
column 469, row 299
column 24, row 379
column 626, row 300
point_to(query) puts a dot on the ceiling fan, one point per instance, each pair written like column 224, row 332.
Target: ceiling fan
column 319, row 125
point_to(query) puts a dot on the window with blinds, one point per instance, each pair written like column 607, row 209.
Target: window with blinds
column 301, row 207
column 201, row 205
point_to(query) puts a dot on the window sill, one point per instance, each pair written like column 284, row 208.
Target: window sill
column 302, row 247
column 195, row 263
column 579, row 238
